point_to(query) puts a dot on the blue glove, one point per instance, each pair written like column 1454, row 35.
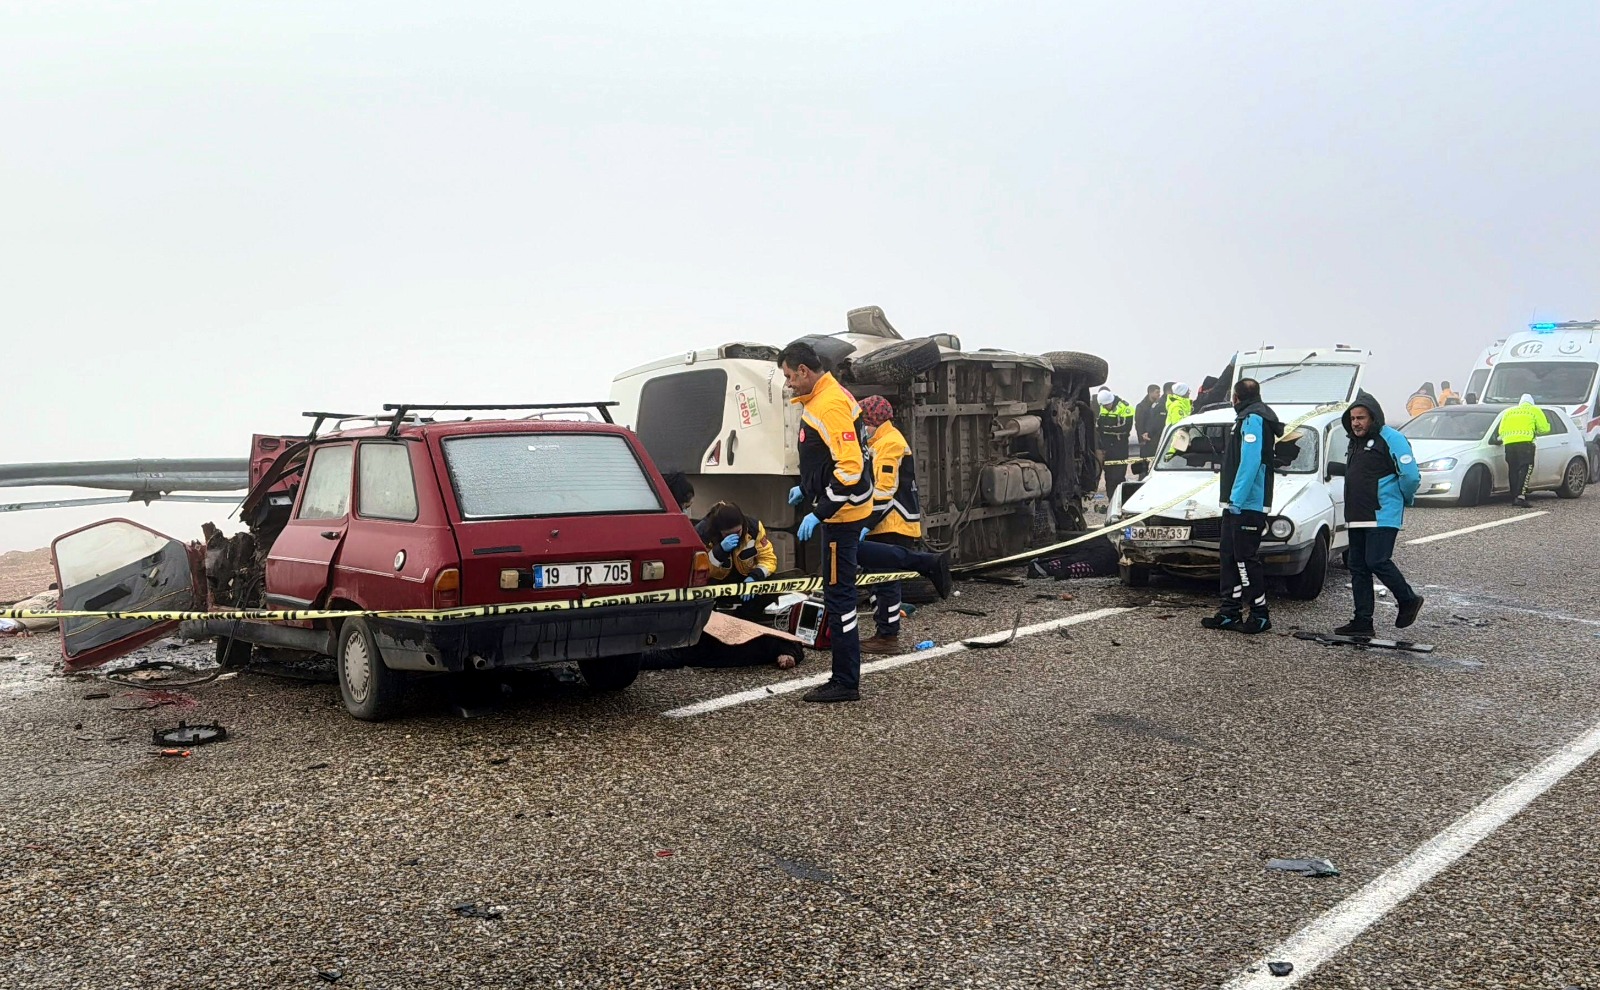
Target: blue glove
column 1234, row 510
column 730, row 543
column 796, row 496
column 749, row 594
column 866, row 531
column 808, row 525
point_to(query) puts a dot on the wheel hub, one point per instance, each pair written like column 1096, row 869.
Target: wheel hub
column 357, row 668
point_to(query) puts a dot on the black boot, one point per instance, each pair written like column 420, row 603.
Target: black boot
column 1255, row 622
column 1408, row 612
column 1222, row 620
column 943, row 582
column 830, row 692
column 1359, row 628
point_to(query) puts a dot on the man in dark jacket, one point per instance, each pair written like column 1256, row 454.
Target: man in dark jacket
column 1380, row 480
column 1149, row 419
column 1246, row 500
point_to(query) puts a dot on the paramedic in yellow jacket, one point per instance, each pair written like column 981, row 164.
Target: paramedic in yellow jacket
column 835, row 493
column 890, row 535
column 737, row 545
column 1518, row 427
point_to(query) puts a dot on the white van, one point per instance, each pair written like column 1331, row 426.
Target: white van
column 1559, row 365
column 1308, row 388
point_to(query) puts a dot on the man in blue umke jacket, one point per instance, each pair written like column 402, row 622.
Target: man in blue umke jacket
column 1380, row 480
column 1246, row 500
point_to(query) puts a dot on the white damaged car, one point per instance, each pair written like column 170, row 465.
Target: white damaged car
column 1308, row 388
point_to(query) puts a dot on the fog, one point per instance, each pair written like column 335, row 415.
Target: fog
column 217, row 216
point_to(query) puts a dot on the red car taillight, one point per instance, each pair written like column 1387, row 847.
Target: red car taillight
column 701, row 575
column 447, row 589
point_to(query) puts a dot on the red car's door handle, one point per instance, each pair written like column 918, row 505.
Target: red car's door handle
column 331, row 534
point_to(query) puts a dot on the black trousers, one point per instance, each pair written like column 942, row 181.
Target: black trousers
column 892, row 552
column 1241, row 582
column 839, row 543
column 1116, row 474
column 1519, row 463
column 1147, row 450
column 1371, row 555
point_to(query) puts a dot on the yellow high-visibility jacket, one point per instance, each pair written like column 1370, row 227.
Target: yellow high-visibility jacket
column 896, row 506
column 833, row 475
column 1522, row 423
column 755, row 555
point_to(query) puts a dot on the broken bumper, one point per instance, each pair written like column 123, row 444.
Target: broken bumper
column 538, row 639
column 1205, row 559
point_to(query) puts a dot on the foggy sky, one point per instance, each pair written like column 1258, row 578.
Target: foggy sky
column 214, row 216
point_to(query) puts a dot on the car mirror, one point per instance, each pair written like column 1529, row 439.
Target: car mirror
column 1496, row 442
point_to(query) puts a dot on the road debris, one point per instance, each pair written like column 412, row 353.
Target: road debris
column 175, row 754
column 1280, row 968
column 330, row 975
column 469, row 909
column 1304, row 867
column 978, row 644
column 184, row 734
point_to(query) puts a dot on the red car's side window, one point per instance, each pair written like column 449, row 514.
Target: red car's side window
column 385, row 488
column 327, row 487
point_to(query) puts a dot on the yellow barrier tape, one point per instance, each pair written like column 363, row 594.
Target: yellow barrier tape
column 1130, row 520
column 780, row 586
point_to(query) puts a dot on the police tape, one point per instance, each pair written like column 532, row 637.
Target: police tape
column 669, row 596
column 1028, row 555
column 780, row 586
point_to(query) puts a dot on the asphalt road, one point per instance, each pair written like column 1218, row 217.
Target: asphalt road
column 1090, row 809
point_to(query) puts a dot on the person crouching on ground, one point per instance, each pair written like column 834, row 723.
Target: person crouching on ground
column 739, row 550
column 1380, row 479
column 889, row 537
column 1246, row 487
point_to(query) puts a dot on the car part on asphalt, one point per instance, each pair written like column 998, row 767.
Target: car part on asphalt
column 1304, row 867
column 1280, row 968
column 1331, row 639
column 978, row 644
column 199, row 734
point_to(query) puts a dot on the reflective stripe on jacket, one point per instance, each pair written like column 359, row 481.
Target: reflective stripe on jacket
column 755, row 555
column 896, row 506
column 1522, row 423
column 833, row 469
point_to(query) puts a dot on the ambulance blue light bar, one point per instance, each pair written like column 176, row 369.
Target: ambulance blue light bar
column 1542, row 327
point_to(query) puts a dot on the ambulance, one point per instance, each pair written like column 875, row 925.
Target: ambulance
column 1559, row 365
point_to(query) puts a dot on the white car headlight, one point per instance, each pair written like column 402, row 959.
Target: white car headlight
column 1438, row 464
column 1281, row 528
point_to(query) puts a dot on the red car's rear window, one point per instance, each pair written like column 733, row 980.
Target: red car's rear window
column 510, row 476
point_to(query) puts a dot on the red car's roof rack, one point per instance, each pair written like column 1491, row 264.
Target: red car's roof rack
column 401, row 409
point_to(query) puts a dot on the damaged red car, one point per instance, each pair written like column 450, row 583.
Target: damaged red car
column 406, row 512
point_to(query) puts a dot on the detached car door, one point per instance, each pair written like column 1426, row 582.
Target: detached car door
column 121, row 566
column 300, row 566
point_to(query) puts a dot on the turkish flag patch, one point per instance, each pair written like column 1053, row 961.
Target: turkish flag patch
column 802, row 434
column 849, row 438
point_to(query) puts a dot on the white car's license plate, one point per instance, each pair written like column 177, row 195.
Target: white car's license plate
column 1156, row 534
column 572, row 575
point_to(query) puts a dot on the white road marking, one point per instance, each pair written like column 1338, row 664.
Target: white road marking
column 1325, row 936
column 1473, row 529
column 887, row 663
